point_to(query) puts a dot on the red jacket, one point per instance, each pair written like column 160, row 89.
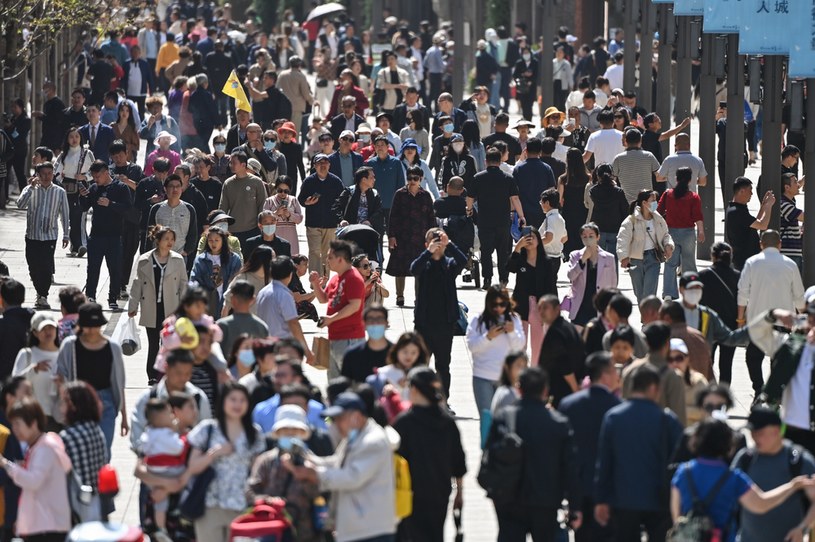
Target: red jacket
column 356, row 92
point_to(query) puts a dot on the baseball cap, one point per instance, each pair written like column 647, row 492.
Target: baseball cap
column 761, row 417
column 347, row 133
column 690, row 279
column 346, row 402
column 679, row 345
column 319, row 157
column 42, row 319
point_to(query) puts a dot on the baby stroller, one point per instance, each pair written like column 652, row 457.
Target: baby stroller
column 461, row 230
column 365, row 237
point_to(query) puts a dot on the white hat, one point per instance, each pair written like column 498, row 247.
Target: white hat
column 679, row 345
column 347, row 133
column 254, row 165
column 290, row 417
column 42, row 319
column 165, row 133
column 570, row 38
column 391, row 20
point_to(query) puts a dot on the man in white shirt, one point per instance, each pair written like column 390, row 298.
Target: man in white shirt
column 769, row 280
column 606, row 143
column 553, row 236
column 614, row 73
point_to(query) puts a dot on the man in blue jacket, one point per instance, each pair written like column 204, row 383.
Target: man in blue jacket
column 390, row 175
column 533, row 176
column 344, row 162
column 631, row 481
column 586, row 410
column 96, row 135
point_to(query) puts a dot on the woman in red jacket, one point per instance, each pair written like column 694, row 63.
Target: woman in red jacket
column 682, row 209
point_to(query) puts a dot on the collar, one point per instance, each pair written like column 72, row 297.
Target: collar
column 771, row 250
column 684, row 152
column 552, row 212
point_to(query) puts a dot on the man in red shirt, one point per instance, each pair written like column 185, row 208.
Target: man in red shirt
column 345, row 295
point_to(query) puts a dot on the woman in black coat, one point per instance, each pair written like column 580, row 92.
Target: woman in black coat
column 528, row 262
column 525, row 75
column 347, row 206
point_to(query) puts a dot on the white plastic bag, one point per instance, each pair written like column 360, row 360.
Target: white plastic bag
column 126, row 335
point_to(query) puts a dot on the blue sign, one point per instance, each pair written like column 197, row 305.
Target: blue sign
column 689, row 7
column 722, row 16
column 765, row 27
column 802, row 51
column 662, row 1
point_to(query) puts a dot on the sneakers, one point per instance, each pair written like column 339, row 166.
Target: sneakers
column 113, row 306
column 81, row 252
column 71, row 254
column 42, row 303
column 161, row 536
column 123, row 295
column 91, row 300
column 400, row 301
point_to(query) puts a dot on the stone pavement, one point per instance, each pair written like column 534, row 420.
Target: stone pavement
column 479, row 516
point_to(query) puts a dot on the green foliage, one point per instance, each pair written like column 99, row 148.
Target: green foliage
column 499, row 13
column 268, row 11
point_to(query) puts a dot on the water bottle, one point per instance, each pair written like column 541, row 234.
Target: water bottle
column 320, row 514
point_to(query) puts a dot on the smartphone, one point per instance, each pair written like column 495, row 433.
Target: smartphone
column 437, row 236
column 722, row 105
column 526, row 230
column 284, row 203
column 316, row 195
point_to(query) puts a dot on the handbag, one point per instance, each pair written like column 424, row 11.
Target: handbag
column 322, row 350
column 193, row 500
column 659, row 252
column 85, row 505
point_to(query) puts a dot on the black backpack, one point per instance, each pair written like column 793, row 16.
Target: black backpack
column 696, row 525
column 795, row 456
column 502, row 462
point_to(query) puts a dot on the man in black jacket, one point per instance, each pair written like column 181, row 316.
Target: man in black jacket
column 204, row 112
column 348, row 120
column 585, row 410
column 14, row 324
column 562, row 353
column 550, row 464
column 218, row 67
column 411, row 103
column 269, row 104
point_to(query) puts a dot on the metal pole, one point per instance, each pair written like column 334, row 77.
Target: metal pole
column 809, row 195
column 734, row 162
column 771, row 142
column 376, row 18
column 707, row 142
column 547, row 8
column 664, row 75
column 683, row 70
column 630, row 50
column 645, row 93
column 459, row 52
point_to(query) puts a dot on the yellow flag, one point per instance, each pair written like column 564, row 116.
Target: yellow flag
column 234, row 89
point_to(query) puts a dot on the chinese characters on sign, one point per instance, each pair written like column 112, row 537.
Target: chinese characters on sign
column 765, row 27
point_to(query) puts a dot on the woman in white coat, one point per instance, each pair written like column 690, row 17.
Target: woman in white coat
column 156, row 290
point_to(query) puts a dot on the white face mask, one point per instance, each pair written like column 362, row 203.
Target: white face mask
column 269, row 229
column 527, row 58
column 457, row 147
column 692, row 296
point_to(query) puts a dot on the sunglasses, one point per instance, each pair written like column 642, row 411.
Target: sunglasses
column 676, row 359
column 269, row 139
column 326, row 139
column 348, row 139
column 283, row 191
column 365, row 266
column 414, row 178
column 711, row 407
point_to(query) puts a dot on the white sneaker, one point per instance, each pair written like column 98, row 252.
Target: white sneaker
column 161, row 536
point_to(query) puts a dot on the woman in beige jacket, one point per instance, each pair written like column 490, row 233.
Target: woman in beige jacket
column 643, row 243
column 157, row 287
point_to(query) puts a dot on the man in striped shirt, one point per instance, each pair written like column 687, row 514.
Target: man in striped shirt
column 634, row 166
column 46, row 204
column 792, row 217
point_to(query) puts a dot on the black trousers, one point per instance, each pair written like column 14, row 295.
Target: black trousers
column 153, row 344
column 78, row 235
column 435, row 90
column 3, row 191
column 515, row 522
column 139, row 101
column 426, row 523
column 754, row 358
column 439, row 341
column 527, row 100
column 590, row 530
column 39, row 255
column 46, row 537
column 130, row 245
column 726, row 354
column 802, row 437
column 18, row 164
column 494, row 239
column 554, row 267
column 628, row 524
column 506, row 77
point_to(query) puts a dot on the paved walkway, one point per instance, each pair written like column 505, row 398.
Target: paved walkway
column 479, row 516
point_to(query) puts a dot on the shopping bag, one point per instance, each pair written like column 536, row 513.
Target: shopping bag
column 126, row 335
column 322, row 352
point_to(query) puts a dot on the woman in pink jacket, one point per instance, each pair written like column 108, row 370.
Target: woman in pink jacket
column 44, row 513
column 590, row 269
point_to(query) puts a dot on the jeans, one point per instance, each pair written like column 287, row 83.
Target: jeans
column 108, row 247
column 685, row 252
column 799, row 261
column 608, row 242
column 337, row 352
column 483, row 390
column 495, row 91
column 645, row 275
column 39, row 255
column 109, row 413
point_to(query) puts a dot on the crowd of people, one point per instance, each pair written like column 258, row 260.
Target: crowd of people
column 615, row 429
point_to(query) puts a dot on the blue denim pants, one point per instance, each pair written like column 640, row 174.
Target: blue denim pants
column 645, row 275
column 483, row 390
column 684, row 254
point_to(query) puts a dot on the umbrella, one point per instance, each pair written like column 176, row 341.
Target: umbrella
column 325, row 9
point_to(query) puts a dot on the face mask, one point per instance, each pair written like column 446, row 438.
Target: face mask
column 653, row 206
column 375, row 331
column 284, row 443
column 448, row 127
column 527, row 58
column 365, row 138
column 692, row 296
column 590, row 242
column 246, row 358
column 269, row 145
column 458, row 147
column 352, row 435
column 269, row 229
column 223, row 225
column 220, row 148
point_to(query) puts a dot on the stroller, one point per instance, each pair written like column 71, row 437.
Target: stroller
column 365, row 237
column 461, row 230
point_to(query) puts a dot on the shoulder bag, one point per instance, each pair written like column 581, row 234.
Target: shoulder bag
column 193, row 500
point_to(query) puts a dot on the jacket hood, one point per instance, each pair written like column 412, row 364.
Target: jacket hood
column 53, row 441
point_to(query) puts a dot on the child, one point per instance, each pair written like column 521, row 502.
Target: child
column 164, row 452
column 70, row 298
column 185, row 411
column 390, row 382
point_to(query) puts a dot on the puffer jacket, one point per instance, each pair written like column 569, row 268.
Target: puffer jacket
column 632, row 235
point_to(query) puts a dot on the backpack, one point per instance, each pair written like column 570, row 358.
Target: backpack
column 696, row 525
column 403, row 487
column 460, row 326
column 502, row 462
column 795, row 454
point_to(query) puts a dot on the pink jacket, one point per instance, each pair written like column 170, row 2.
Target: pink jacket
column 44, row 505
column 606, row 277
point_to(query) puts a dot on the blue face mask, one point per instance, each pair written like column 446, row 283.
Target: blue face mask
column 269, row 145
column 284, row 443
column 352, row 435
column 220, row 148
column 375, row 331
column 246, row 358
column 653, row 206
column 448, row 127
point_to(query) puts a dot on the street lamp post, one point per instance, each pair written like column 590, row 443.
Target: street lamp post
column 707, row 141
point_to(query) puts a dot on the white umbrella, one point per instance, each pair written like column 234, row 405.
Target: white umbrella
column 325, row 9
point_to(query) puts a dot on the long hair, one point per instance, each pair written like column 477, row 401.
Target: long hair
column 130, row 120
column 226, row 252
column 603, row 174
column 494, row 293
column 261, row 257
column 246, row 419
column 65, row 146
column 470, row 133
column 575, row 168
column 406, row 338
column 509, row 361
